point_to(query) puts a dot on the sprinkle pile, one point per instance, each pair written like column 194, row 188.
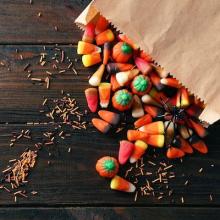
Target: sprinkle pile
column 128, row 80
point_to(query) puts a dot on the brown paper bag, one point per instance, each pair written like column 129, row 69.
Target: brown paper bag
column 182, row 36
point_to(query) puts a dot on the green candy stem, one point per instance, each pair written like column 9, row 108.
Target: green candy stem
column 126, row 48
column 109, row 165
column 140, row 84
column 123, row 98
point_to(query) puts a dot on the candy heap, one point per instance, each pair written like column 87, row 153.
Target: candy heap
column 128, row 80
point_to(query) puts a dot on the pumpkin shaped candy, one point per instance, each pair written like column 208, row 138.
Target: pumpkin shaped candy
column 107, row 167
column 121, row 52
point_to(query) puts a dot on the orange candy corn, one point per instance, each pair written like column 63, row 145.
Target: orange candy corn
column 124, row 77
column 198, row 144
column 142, row 65
column 104, row 94
column 96, row 78
column 91, row 59
column 173, row 153
column 111, row 117
column 101, row 125
column 172, row 82
column 156, row 140
column 134, row 135
column 87, row 48
column 156, row 127
column 182, row 99
column 118, row 183
column 92, row 98
column 89, row 33
column 156, row 80
column 104, row 37
column 158, row 96
column 153, row 110
column 139, row 149
column 145, row 56
column 114, row 83
column 185, row 131
column 118, row 67
column 183, row 144
column 106, row 52
column 169, row 131
column 137, row 109
column 147, row 99
column 101, row 25
column 198, row 128
column 127, row 40
column 146, row 119
column 125, row 151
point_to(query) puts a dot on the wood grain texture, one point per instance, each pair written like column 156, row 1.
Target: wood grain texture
column 71, row 178
column 102, row 213
column 19, row 21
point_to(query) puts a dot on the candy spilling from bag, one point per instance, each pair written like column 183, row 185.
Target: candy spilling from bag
column 128, row 80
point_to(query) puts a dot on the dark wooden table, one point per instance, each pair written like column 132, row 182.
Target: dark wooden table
column 69, row 188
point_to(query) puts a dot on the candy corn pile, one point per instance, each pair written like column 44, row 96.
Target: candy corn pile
column 127, row 79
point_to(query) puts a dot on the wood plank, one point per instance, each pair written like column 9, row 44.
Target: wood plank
column 19, row 21
column 71, row 178
column 102, row 213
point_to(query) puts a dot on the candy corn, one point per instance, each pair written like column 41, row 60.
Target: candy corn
column 118, row 67
column 145, row 56
column 127, row 40
column 146, row 119
column 185, row 131
column 106, row 52
column 125, row 150
column 153, row 110
column 141, row 85
column 139, row 149
column 122, row 100
column 101, row 25
column 142, row 65
column 137, row 109
column 124, row 77
column 87, row 48
column 118, row 183
column 156, row 80
column 169, row 131
column 172, row 82
column 156, row 127
column 156, row 140
column 114, row 83
column 89, row 33
column 161, row 72
column 101, row 125
column 92, row 98
column 198, row 128
column 91, row 59
column 134, row 135
column 104, row 94
column 104, row 37
column 173, row 153
column 96, row 78
column 182, row 99
column 111, row 117
column 158, row 96
column 147, row 99
column 182, row 144
column 198, row 144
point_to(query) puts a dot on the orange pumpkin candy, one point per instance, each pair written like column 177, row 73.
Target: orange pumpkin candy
column 107, row 167
column 121, row 52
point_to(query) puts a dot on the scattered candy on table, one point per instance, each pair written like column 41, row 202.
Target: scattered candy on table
column 127, row 80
